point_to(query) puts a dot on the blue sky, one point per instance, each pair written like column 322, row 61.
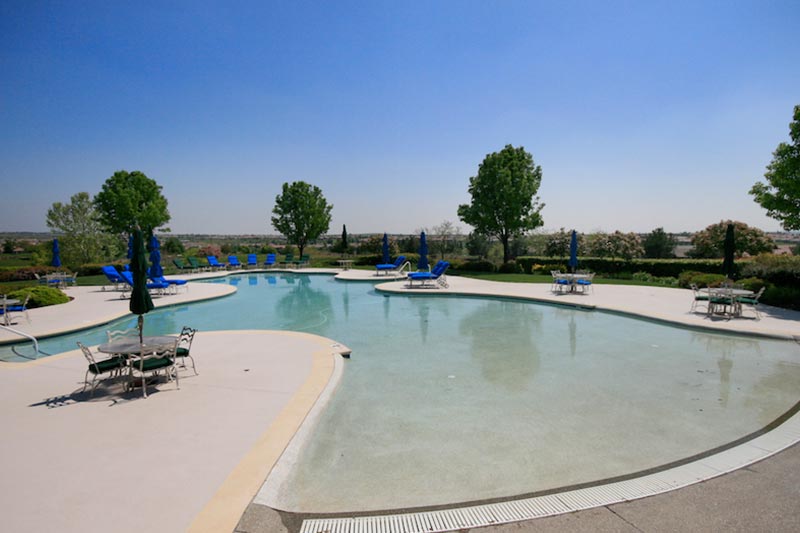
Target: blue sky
column 641, row 114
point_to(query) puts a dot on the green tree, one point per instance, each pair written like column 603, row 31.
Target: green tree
column 478, row 245
column 131, row 199
column 341, row 247
column 504, row 202
column 709, row 243
column 780, row 196
column 301, row 213
column 659, row 244
column 173, row 245
column 9, row 245
column 82, row 239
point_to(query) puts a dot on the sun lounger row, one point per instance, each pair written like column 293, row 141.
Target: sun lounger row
column 194, row 265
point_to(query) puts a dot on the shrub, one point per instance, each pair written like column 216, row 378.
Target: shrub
column 787, row 297
column 25, row 273
column 701, row 279
column 510, row 268
column 776, row 269
column 474, row 266
column 40, row 296
column 752, row 284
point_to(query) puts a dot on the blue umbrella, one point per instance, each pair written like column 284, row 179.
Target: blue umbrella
column 422, row 264
column 385, row 248
column 56, row 254
column 573, row 251
column 155, row 258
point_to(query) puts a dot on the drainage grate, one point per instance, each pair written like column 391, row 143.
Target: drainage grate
column 747, row 453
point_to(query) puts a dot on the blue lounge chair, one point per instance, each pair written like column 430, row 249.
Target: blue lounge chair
column 270, row 261
column 388, row 267
column 160, row 287
column 427, row 279
column 113, row 277
column 213, row 263
column 252, row 260
column 233, row 262
column 173, row 283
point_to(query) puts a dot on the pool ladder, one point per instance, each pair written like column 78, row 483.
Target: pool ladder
column 23, row 334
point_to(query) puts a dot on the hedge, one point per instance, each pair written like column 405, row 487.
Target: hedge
column 610, row 266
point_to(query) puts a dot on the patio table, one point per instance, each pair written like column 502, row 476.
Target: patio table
column 724, row 292
column 131, row 348
column 345, row 264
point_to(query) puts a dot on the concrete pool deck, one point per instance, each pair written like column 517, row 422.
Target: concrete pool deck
column 65, row 493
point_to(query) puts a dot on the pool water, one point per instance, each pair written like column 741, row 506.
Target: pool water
column 455, row 399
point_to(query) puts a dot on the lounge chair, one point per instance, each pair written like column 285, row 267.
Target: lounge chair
column 181, row 265
column 196, row 264
column 252, row 260
column 270, row 261
column 304, row 261
column 113, row 277
column 233, row 262
column 159, row 287
column 427, row 279
column 174, row 284
column 288, row 260
column 389, row 267
column 213, row 263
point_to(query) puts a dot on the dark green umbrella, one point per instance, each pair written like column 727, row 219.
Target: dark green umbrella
column 140, row 298
column 729, row 249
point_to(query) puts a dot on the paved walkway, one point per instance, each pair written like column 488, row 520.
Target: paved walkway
column 218, row 437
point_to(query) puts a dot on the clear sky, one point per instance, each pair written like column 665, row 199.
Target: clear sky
column 641, row 114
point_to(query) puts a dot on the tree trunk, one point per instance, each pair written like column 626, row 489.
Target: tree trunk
column 506, row 254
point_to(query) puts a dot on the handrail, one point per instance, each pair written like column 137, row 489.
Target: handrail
column 23, row 334
column 404, row 265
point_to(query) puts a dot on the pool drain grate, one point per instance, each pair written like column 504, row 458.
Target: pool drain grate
column 709, row 467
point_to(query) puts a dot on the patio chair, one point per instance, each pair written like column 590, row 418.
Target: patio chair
column 721, row 298
column 112, row 366
column 585, row 283
column 427, row 279
column 698, row 298
column 151, row 363
column 7, row 310
column 215, row 264
column 304, row 261
column 252, row 260
column 752, row 301
column 288, row 260
column 269, row 261
column 184, row 347
column 560, row 282
column 233, row 262
column 388, row 267
column 113, row 277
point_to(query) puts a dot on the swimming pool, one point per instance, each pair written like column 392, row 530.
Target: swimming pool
column 451, row 399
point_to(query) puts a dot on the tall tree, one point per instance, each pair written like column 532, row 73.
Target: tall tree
column 659, row 244
column 82, row 238
column 709, row 243
column 504, row 202
column 780, row 196
column 301, row 213
column 131, row 199
column 445, row 239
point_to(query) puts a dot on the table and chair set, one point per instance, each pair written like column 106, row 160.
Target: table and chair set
column 728, row 300
column 580, row 281
column 10, row 308
column 139, row 363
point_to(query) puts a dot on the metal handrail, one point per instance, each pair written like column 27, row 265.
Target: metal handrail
column 23, row 334
column 403, row 266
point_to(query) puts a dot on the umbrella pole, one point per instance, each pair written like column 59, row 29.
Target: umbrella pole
column 141, row 326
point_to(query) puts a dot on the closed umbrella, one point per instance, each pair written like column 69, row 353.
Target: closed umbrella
column 422, row 264
column 56, row 254
column 155, row 258
column 140, row 299
column 573, row 252
column 385, row 248
column 728, row 267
